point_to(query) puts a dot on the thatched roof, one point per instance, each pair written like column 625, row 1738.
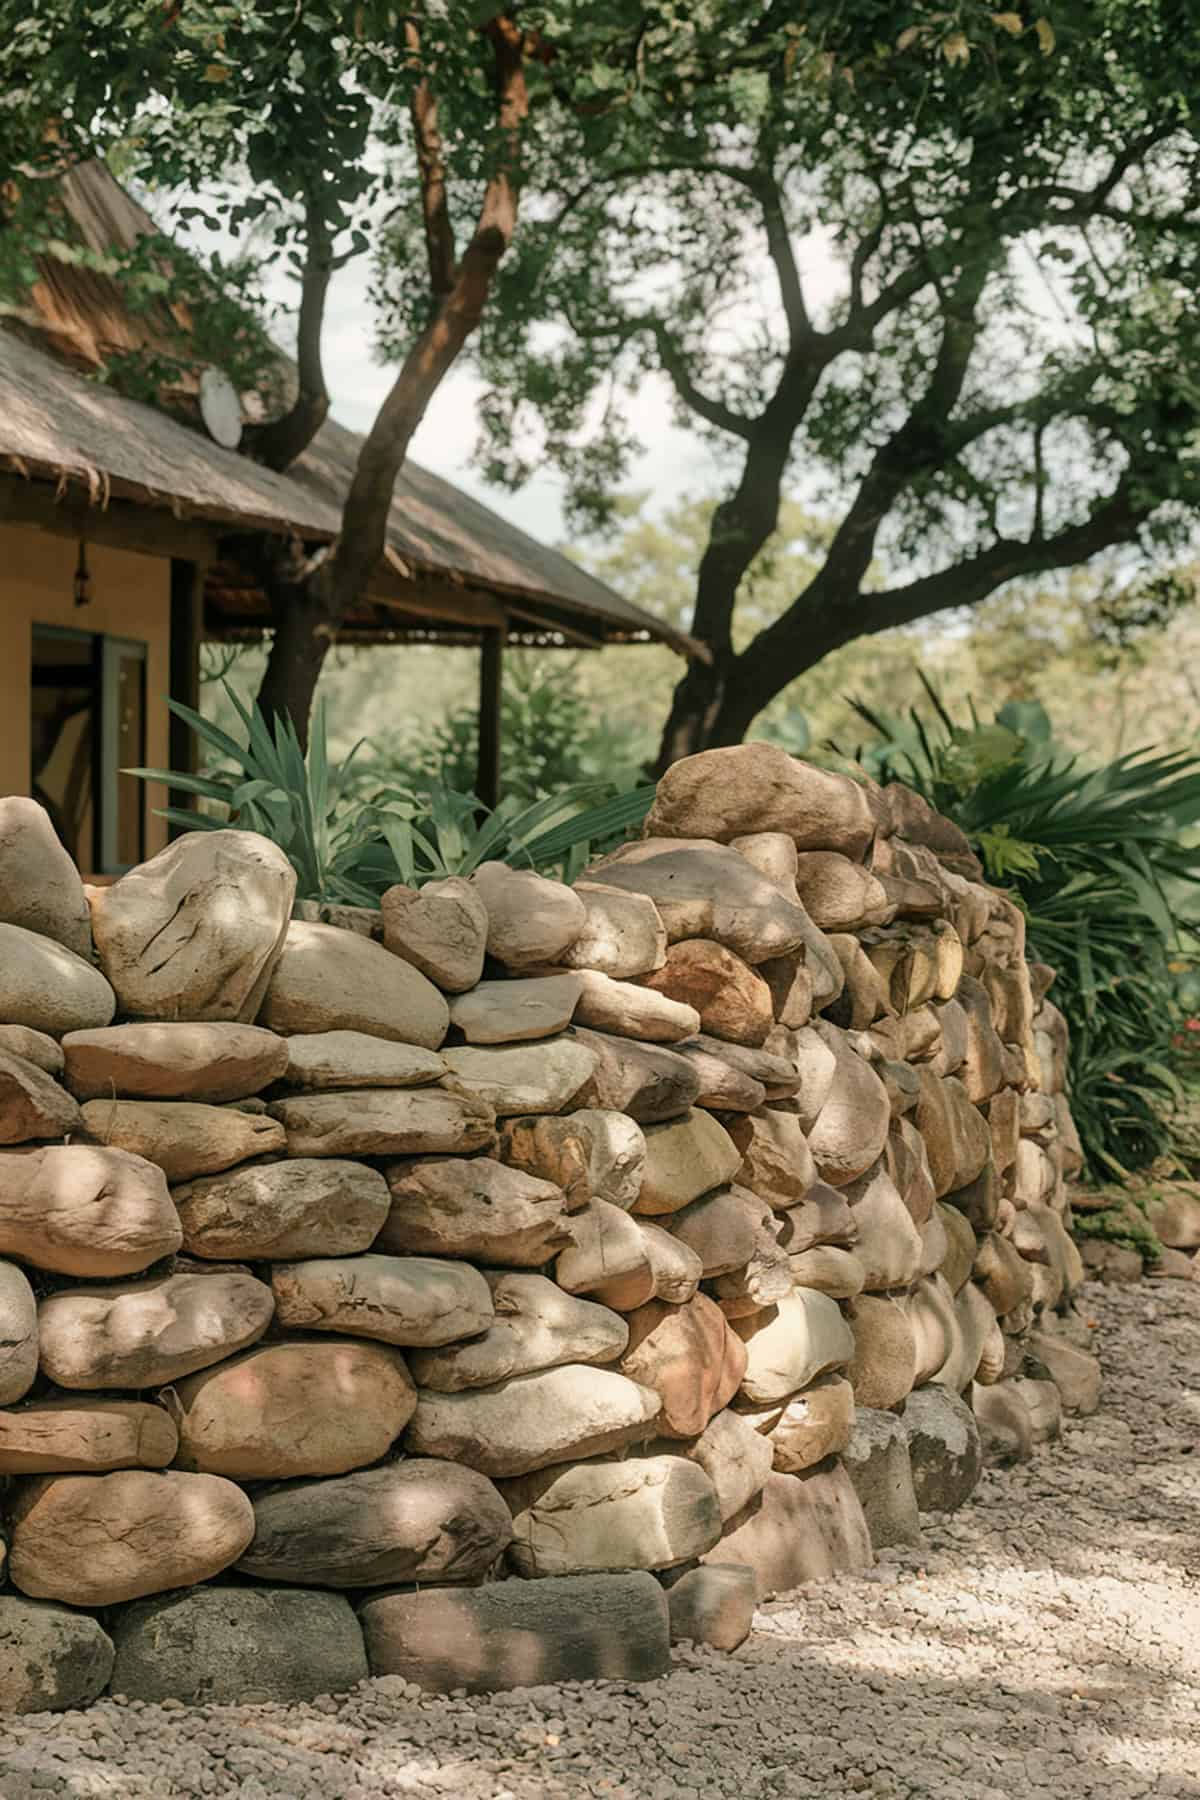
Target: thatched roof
column 453, row 565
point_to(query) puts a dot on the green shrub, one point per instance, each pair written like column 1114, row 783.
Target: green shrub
column 350, row 845
column 1101, row 863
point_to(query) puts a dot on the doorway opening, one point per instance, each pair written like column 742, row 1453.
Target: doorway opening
column 88, row 724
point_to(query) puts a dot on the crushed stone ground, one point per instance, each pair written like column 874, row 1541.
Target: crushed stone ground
column 1046, row 1642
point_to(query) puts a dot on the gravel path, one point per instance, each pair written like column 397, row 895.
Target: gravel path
column 1048, row 1641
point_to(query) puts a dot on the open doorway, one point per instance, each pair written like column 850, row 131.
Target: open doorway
column 88, row 723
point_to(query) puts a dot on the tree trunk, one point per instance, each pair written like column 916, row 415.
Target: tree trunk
column 306, row 621
column 715, row 705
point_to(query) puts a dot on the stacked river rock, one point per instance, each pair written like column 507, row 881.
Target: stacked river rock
column 481, row 1289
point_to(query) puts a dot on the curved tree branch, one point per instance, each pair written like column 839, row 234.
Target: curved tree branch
column 280, row 442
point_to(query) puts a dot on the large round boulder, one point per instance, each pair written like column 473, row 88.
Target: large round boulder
column 332, row 980
column 40, row 887
column 79, row 1209
column 418, row 1520
column 148, row 1333
column 96, row 1539
column 194, row 933
column 46, row 987
column 285, row 1409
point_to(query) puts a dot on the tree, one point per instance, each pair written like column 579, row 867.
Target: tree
column 1003, row 379
column 343, row 129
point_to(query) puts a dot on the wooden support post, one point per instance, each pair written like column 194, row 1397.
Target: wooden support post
column 187, row 625
column 491, row 673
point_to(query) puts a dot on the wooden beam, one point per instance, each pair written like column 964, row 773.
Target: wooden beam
column 187, row 626
column 121, row 525
column 491, row 677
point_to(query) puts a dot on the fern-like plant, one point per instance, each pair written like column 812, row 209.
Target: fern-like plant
column 350, row 849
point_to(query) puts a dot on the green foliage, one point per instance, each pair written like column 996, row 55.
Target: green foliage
column 1105, row 863
column 551, row 738
column 349, row 849
column 1125, row 1222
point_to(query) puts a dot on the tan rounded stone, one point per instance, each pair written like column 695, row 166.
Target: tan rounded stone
column 960, row 1246
column 935, row 1328
column 189, row 1060
column 882, row 1370
column 722, row 1087
column 648, row 1082
column 956, row 1135
column 776, row 1161
column 18, row 1335
column 809, row 1426
column 413, row 1521
column 32, row 1105
column 331, row 980
column 622, row 935
column 840, row 895
column 907, row 1164
column 887, row 1243
column 40, row 887
column 706, row 890
column 609, row 1258
column 530, row 919
column 592, row 1153
column 792, row 1343
column 730, row 999
column 184, row 1140
column 689, row 1357
column 644, row 1512
column 829, row 1270
column 96, row 1540
column 676, row 1269
column 536, row 1326
column 851, row 1127
column 148, row 1333
column 474, row 1207
column 32, row 1046
column 805, row 1527
column 440, row 929
column 81, row 1210
column 629, row 1010
column 735, row 1457
column 73, row 1436
column 560, row 1415
column 285, row 1409
column 321, row 1060
column 685, row 1158
column 47, row 988
column 391, row 1299
column 758, row 787
column 269, row 1211
column 511, row 1012
column 194, row 933
column 522, row 1078
column 721, row 1229
column 823, row 1217
column 1002, row 1273
column 385, row 1122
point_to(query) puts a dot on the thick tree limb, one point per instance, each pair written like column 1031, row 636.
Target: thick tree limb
column 431, row 165
column 308, row 614
column 281, row 442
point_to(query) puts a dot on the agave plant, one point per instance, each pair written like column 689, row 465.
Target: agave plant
column 351, row 850
column 1106, row 864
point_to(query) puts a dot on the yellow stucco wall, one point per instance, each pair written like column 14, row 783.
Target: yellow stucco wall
column 131, row 598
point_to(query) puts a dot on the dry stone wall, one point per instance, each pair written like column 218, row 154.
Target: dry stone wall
column 484, row 1289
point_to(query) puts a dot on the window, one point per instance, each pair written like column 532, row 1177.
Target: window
column 89, row 723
